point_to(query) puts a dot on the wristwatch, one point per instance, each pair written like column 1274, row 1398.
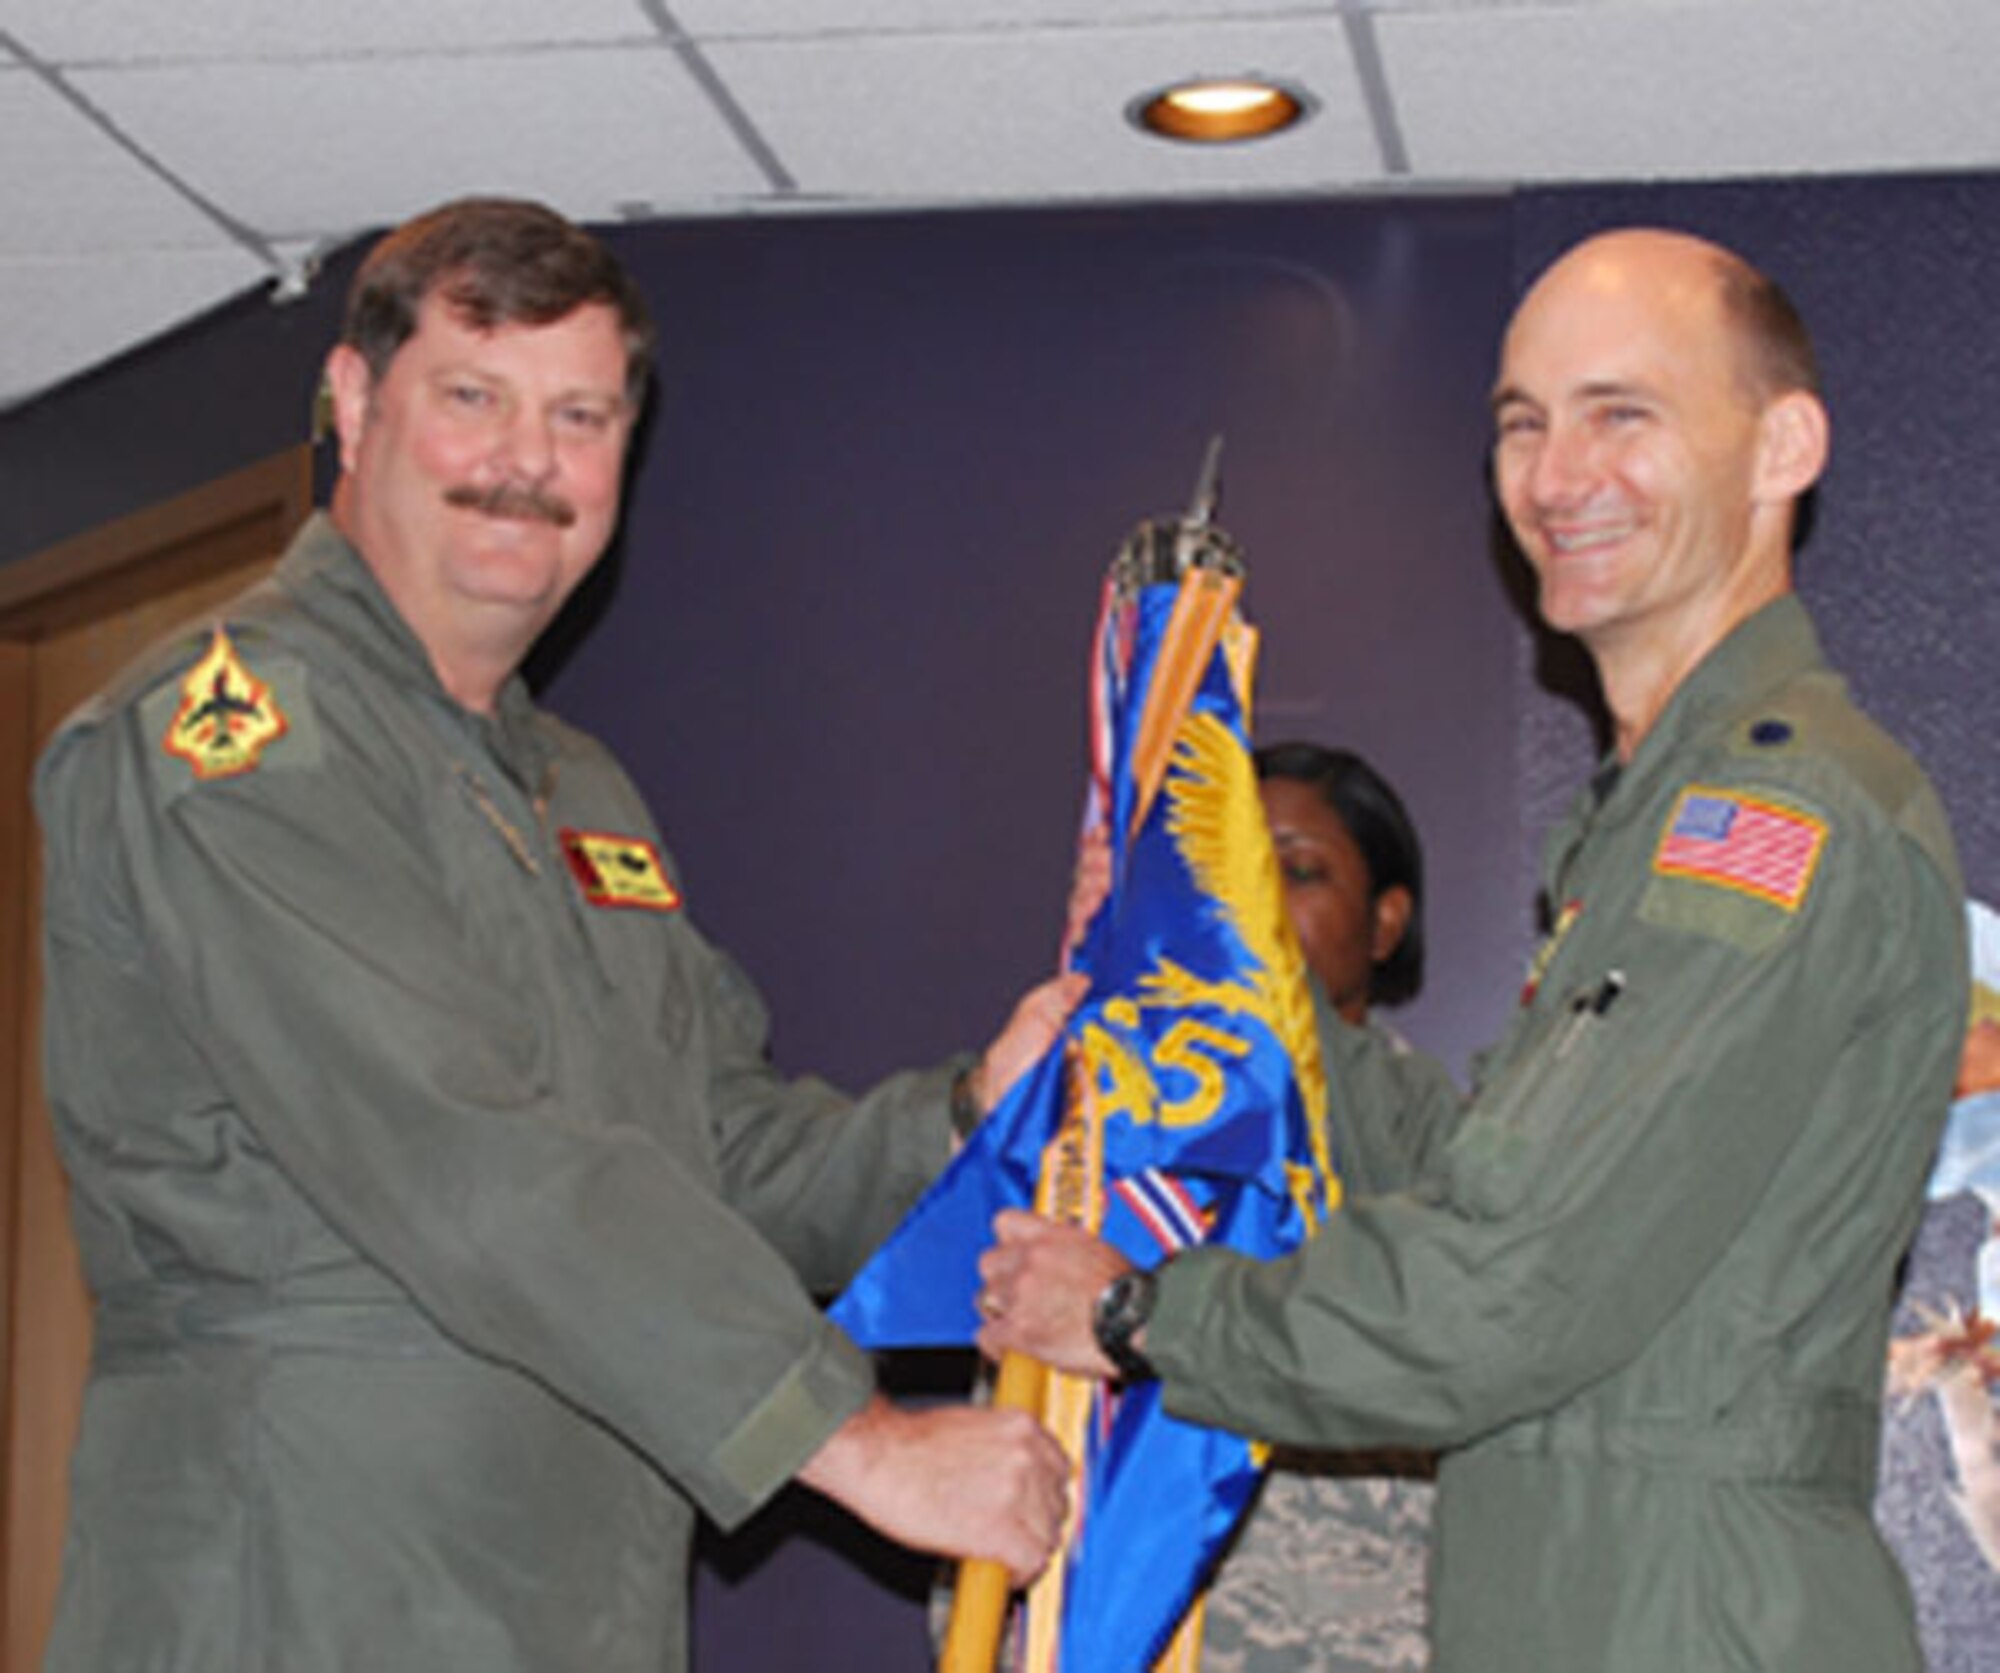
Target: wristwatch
column 1123, row 1307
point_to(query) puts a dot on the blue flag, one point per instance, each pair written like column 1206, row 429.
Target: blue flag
column 1184, row 1105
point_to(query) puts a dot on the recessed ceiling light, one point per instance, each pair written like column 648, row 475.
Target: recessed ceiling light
column 1215, row 110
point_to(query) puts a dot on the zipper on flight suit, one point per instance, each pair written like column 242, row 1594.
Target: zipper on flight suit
column 509, row 833
column 540, row 855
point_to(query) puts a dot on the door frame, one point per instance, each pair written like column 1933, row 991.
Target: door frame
column 90, row 578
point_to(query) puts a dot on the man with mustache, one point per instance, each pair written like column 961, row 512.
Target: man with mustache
column 451, row 1235
column 1643, row 1299
column 524, row 500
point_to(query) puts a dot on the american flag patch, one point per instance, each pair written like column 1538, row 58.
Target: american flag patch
column 1742, row 843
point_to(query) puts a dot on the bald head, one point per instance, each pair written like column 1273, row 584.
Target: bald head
column 1771, row 350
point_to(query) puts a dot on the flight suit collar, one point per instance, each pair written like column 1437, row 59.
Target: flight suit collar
column 1763, row 652
column 332, row 580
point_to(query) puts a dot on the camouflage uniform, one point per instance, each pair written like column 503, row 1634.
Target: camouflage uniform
column 1326, row 1571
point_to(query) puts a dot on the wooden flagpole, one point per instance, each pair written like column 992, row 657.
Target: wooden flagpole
column 1071, row 1182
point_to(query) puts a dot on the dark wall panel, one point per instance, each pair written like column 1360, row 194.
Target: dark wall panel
column 843, row 642
column 223, row 391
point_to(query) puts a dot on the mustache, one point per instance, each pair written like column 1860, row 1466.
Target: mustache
column 522, row 501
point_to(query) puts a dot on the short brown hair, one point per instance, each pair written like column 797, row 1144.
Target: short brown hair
column 1776, row 348
column 495, row 261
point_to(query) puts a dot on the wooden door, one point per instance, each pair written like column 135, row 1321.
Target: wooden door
column 69, row 619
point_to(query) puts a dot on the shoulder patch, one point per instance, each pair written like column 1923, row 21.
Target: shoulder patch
column 619, row 871
column 1744, row 843
column 226, row 717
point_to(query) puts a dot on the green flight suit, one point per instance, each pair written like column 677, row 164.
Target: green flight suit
column 450, row 1234
column 1645, row 1291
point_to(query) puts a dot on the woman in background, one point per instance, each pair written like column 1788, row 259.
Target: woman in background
column 1326, row 1573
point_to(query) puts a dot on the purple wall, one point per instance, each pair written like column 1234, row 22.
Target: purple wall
column 889, row 460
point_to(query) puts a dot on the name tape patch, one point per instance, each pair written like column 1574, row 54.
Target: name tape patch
column 618, row 871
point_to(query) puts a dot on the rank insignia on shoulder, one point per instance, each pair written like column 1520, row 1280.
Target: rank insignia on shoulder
column 1756, row 847
column 619, row 871
column 226, row 718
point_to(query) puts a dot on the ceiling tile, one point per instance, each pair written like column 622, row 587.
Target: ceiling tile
column 336, row 147
column 69, row 187
column 832, row 17
column 1695, row 89
column 133, row 299
column 147, row 31
column 971, row 118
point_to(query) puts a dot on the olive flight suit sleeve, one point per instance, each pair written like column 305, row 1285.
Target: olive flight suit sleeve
column 823, row 1177
column 1392, row 1109
column 1695, row 1057
column 344, row 1036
